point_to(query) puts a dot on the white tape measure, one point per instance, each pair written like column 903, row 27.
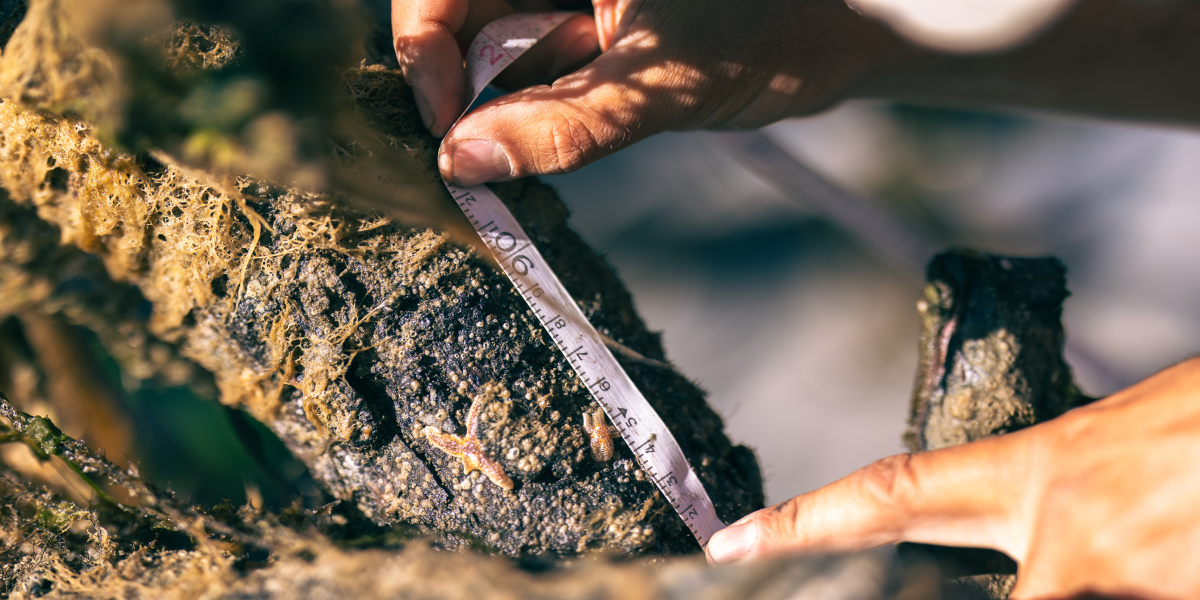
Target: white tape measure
column 496, row 47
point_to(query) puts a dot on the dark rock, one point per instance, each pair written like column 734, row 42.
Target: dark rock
column 348, row 333
column 991, row 349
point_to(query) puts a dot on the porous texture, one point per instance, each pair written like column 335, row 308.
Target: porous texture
column 345, row 332
column 991, row 347
column 991, row 362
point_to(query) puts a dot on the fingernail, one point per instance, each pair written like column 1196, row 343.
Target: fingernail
column 606, row 25
column 423, row 109
column 578, row 51
column 444, row 164
column 732, row 543
column 479, row 161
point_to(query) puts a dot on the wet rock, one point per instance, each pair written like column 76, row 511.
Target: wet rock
column 155, row 546
column 349, row 334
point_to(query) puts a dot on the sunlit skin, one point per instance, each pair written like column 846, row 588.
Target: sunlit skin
column 668, row 65
column 1100, row 500
column 701, row 64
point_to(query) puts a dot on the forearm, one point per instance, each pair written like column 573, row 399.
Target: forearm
column 1128, row 59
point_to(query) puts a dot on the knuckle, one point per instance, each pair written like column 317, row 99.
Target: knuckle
column 414, row 39
column 780, row 523
column 569, row 144
column 785, row 516
column 890, row 481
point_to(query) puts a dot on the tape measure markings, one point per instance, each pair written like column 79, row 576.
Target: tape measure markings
column 498, row 45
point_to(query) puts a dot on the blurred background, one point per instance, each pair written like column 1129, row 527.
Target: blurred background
column 806, row 337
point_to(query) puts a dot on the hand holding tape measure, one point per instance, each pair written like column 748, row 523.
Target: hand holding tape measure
column 667, row 65
column 609, row 103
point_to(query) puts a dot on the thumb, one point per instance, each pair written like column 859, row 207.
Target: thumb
column 608, row 105
column 973, row 495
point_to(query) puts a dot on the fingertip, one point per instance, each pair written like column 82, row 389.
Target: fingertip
column 472, row 162
column 425, row 111
column 432, row 64
column 438, row 128
column 733, row 543
column 444, row 163
column 439, row 102
column 606, row 22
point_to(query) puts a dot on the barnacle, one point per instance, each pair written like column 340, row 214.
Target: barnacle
column 600, row 434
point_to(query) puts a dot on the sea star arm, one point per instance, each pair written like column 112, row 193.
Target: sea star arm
column 470, row 449
column 495, row 472
column 448, row 443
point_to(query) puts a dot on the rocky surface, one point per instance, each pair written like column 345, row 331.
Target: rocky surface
column 991, row 348
column 151, row 545
column 347, row 333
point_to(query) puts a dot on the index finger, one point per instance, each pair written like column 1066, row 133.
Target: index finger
column 428, row 36
column 973, row 495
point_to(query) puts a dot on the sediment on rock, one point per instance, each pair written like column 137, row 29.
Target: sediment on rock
column 991, row 349
column 348, row 334
column 991, row 362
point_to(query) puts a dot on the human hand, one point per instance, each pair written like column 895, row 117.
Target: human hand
column 667, row 65
column 1100, row 500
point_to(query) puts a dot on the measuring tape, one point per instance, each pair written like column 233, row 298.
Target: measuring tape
column 496, row 47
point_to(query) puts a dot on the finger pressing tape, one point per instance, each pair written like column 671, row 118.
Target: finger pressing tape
column 496, row 47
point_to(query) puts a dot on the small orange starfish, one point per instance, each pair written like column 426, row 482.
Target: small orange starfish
column 470, row 449
column 600, row 433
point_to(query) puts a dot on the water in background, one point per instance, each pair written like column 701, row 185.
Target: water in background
column 806, row 340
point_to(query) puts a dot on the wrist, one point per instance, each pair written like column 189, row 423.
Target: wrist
column 882, row 63
column 850, row 56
